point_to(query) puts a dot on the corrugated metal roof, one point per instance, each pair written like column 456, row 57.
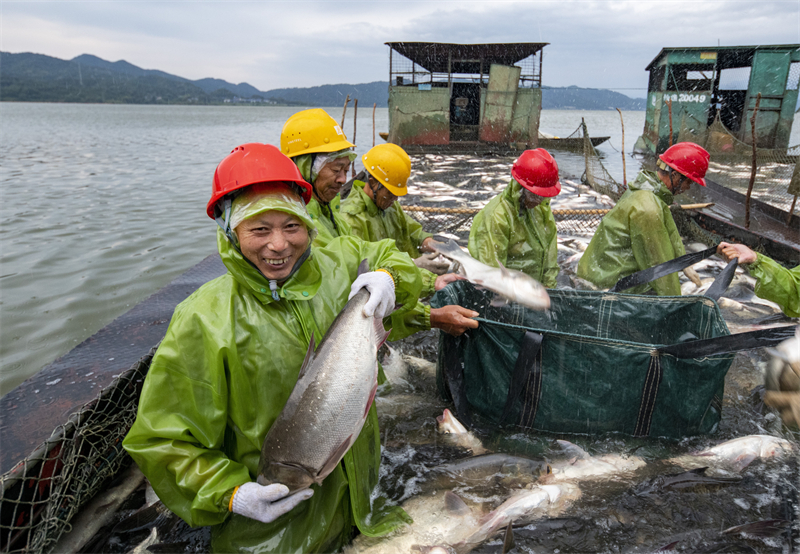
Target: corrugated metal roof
column 730, row 56
column 465, row 58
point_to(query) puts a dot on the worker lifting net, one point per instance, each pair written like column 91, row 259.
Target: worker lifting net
column 42, row 493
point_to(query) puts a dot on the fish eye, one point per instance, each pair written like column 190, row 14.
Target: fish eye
column 548, row 469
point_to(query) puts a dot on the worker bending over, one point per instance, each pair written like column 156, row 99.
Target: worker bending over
column 639, row 231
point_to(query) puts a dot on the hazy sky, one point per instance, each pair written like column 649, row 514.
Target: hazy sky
column 275, row 44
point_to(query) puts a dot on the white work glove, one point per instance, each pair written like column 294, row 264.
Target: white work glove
column 430, row 262
column 266, row 503
column 381, row 293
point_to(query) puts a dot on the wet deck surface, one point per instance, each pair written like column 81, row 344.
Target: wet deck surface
column 30, row 412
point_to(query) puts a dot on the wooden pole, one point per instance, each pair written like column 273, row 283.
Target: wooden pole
column 755, row 160
column 791, row 211
column 355, row 118
column 344, row 111
column 669, row 109
column 624, row 171
column 375, row 105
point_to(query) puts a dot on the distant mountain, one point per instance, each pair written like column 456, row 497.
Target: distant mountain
column 28, row 77
column 568, row 98
column 368, row 94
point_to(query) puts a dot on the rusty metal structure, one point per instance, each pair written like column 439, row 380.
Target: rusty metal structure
column 464, row 95
column 690, row 88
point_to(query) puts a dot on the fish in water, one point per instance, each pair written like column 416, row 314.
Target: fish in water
column 329, row 403
column 457, row 434
column 523, row 507
column 581, row 465
column 737, row 454
column 481, row 470
column 510, row 284
column 444, row 523
column 688, row 480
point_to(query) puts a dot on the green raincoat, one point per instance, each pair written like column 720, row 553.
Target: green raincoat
column 221, row 377
column 369, row 222
column 636, row 234
column 328, row 218
column 777, row 284
column 522, row 239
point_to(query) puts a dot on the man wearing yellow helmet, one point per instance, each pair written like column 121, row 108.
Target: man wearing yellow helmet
column 319, row 148
column 373, row 213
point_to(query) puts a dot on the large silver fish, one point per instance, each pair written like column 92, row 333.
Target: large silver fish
column 736, row 454
column 329, row 403
column 511, row 284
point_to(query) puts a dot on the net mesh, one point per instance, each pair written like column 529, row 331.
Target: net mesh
column 596, row 175
column 458, row 221
column 41, row 494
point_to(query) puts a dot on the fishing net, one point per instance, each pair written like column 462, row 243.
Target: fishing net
column 458, row 221
column 41, row 494
column 591, row 364
column 777, row 181
column 596, row 175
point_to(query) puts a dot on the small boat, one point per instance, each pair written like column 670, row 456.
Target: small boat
column 572, row 143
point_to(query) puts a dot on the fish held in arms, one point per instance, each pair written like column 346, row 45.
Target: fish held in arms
column 329, row 403
column 510, row 284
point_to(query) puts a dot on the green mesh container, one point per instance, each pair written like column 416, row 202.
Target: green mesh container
column 589, row 365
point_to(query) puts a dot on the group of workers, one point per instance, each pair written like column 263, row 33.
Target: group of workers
column 292, row 247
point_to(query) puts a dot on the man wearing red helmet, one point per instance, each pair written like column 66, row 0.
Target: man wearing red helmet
column 639, row 231
column 516, row 228
column 231, row 357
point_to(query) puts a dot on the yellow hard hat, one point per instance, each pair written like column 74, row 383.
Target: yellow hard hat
column 311, row 132
column 390, row 165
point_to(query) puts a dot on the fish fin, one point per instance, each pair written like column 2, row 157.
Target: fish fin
column 499, row 301
column 371, row 397
column 573, row 449
column 454, row 504
column 309, row 357
column 508, row 540
column 763, row 528
column 363, row 267
column 743, row 461
column 503, row 268
column 334, row 460
column 446, row 249
column 381, row 334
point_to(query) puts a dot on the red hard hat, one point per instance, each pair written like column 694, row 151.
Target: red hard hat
column 689, row 159
column 253, row 163
column 537, row 171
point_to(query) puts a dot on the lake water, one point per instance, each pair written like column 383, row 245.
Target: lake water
column 102, row 205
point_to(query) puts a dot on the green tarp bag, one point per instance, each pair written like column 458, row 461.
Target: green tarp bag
column 595, row 362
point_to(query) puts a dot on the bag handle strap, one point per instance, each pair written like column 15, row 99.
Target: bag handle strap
column 729, row 343
column 660, row 270
column 527, row 377
column 722, row 281
column 454, row 376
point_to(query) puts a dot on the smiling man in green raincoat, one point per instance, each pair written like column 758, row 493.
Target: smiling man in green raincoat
column 639, row 232
column 320, row 149
column 516, row 228
column 231, row 357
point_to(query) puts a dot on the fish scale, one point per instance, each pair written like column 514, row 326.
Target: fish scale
column 329, row 403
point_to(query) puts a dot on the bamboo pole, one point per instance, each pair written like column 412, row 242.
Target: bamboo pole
column 669, row 109
column 753, row 170
column 375, row 105
column 791, row 210
column 344, row 111
column 355, row 119
column 624, row 174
